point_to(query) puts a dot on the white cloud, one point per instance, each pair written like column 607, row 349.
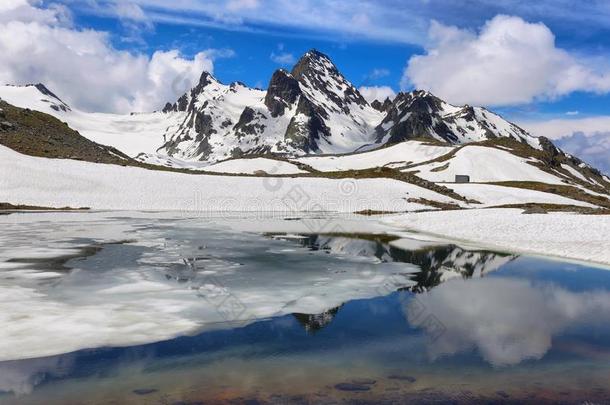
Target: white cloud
column 21, row 10
column 593, row 149
column 510, row 61
column 81, row 66
column 388, row 20
column 572, row 112
column 372, row 93
column 283, row 58
column 562, row 127
column 235, row 5
column 317, row 18
column 586, row 138
column 128, row 10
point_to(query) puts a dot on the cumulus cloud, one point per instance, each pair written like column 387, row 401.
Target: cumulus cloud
column 507, row 320
column 41, row 45
column 130, row 11
column 509, row 61
column 372, row 93
column 283, row 58
column 593, row 149
column 562, row 127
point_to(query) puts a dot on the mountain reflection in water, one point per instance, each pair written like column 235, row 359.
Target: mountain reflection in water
column 366, row 317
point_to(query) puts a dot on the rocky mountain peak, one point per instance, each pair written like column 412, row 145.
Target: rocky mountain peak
column 54, row 101
column 313, row 62
column 186, row 101
column 314, row 109
column 418, row 100
column 420, row 113
column 282, row 92
column 323, row 83
column 382, row 106
column 205, row 79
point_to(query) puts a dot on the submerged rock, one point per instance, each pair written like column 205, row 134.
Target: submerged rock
column 352, row 387
column 144, row 391
column 407, row 378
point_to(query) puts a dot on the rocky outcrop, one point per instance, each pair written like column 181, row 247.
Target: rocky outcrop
column 382, row 106
column 420, row 114
column 283, row 92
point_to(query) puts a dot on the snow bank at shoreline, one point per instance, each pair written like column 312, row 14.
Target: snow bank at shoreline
column 565, row 235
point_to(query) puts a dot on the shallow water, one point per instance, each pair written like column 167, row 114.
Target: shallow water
column 162, row 308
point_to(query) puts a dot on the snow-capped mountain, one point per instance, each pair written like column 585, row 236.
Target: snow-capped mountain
column 312, row 109
column 315, row 109
column 421, row 114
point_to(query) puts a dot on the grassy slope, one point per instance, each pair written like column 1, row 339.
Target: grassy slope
column 38, row 134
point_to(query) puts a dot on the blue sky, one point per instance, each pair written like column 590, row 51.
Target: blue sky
column 356, row 58
column 374, row 55
column 543, row 64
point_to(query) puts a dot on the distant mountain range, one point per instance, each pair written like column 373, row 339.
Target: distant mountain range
column 315, row 109
column 310, row 121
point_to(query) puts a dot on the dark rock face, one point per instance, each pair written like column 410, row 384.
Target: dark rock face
column 55, row 102
column 305, row 135
column 283, row 91
column 44, row 90
column 420, row 114
column 203, row 125
column 314, row 68
column 183, row 102
column 248, row 123
column 145, row 391
column 412, row 115
column 548, row 147
column 179, row 105
column 205, row 79
column 382, row 107
column 554, row 157
column 6, row 126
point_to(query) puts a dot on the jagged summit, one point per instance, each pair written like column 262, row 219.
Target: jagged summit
column 309, row 109
column 317, row 72
column 382, row 106
column 283, row 91
column 311, row 62
column 313, row 108
column 421, row 114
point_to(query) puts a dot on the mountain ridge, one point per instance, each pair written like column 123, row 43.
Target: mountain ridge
column 311, row 110
column 315, row 109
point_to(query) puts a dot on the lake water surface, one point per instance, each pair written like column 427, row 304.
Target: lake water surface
column 167, row 308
